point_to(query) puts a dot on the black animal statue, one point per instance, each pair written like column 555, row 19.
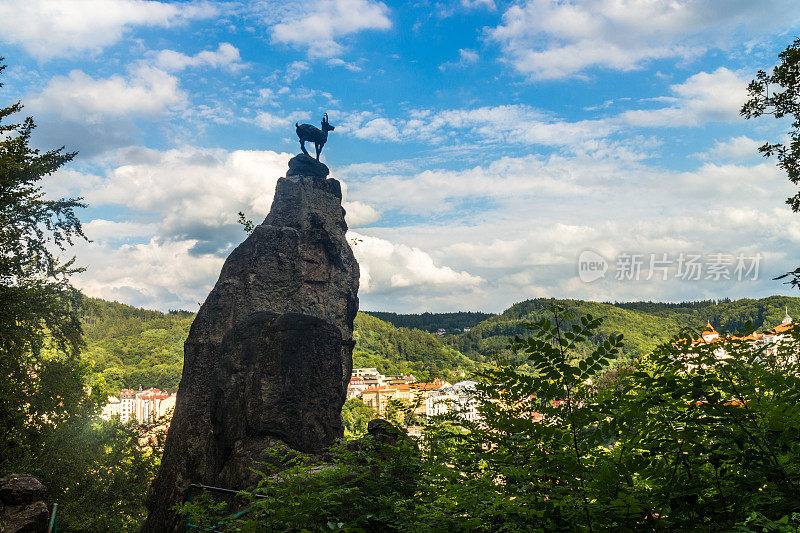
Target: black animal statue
column 307, row 132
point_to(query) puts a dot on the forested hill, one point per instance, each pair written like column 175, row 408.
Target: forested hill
column 432, row 322
column 136, row 347
column 643, row 324
column 725, row 315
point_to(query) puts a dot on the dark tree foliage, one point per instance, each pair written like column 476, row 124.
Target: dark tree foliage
column 41, row 373
column 431, row 322
column 645, row 324
column 405, row 351
column 778, row 94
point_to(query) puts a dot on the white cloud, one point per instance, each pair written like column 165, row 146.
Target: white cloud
column 192, row 194
column 92, row 115
column 360, row 214
column 271, row 121
column 703, row 97
column 515, row 123
column 473, row 4
column 109, row 230
column 735, row 148
column 466, row 57
column 62, row 28
column 386, row 266
column 318, row 26
column 377, row 129
column 485, row 237
column 226, row 56
column 443, row 191
column 157, row 274
column 295, row 69
column 146, row 91
column 520, row 224
column 551, row 39
column 339, row 62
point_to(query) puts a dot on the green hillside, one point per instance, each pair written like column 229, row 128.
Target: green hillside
column 644, row 324
column 395, row 350
column 136, row 347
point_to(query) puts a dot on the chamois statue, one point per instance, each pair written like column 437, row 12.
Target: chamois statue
column 307, row 132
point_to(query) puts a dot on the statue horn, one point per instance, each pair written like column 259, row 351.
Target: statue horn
column 324, row 117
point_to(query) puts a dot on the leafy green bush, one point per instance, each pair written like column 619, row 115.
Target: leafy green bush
column 367, row 485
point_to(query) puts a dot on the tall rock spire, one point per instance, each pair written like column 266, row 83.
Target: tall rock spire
column 269, row 355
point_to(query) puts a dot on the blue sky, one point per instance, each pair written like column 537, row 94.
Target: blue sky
column 483, row 145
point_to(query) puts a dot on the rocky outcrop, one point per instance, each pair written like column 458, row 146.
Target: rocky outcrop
column 305, row 165
column 22, row 506
column 269, row 355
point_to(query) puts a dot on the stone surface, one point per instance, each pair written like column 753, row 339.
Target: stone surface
column 21, row 488
column 269, row 355
column 22, row 506
column 305, row 165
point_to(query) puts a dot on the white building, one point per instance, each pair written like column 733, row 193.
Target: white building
column 371, row 376
column 127, row 410
column 766, row 344
column 355, row 387
column 111, row 409
column 459, row 399
column 144, row 406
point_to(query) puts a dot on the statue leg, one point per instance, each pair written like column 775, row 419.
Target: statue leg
column 319, row 149
column 303, row 147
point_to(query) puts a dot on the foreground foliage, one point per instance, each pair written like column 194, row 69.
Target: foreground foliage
column 41, row 372
column 99, row 472
column 695, row 437
column 777, row 93
column 96, row 471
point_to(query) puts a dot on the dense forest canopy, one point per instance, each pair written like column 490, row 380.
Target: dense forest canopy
column 432, row 322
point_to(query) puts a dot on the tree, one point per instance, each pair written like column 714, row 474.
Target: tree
column 42, row 377
column 778, row 94
column 99, row 472
column 355, row 416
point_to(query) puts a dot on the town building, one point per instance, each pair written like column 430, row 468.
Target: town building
column 371, row 376
column 127, row 409
column 360, row 372
column 152, row 404
column 111, row 409
column 355, row 387
column 400, row 380
column 459, row 399
column 766, row 344
column 414, row 394
column 144, row 406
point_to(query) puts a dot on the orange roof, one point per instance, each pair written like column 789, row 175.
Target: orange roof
column 428, row 386
column 781, row 328
column 381, row 388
